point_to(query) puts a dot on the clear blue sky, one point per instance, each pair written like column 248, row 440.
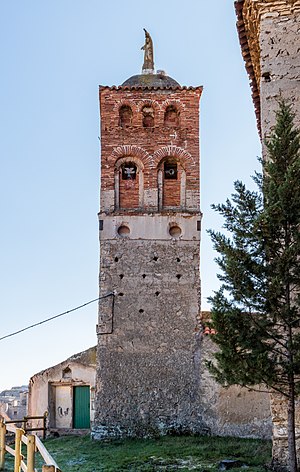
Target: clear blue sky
column 53, row 55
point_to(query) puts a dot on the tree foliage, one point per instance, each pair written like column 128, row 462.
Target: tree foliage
column 256, row 311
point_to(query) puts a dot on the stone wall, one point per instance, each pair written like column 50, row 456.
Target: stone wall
column 279, row 417
column 269, row 35
column 149, row 347
column 232, row 411
column 280, row 64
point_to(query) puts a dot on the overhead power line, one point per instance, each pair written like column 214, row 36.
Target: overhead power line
column 56, row 316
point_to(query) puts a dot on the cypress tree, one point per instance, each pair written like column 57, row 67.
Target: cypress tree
column 256, row 311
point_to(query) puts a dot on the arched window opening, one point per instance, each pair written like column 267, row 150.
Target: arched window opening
column 67, row 373
column 125, row 116
column 171, row 116
column 129, row 184
column 148, row 117
column 171, row 184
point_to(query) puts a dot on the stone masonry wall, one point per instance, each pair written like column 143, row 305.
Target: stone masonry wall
column 274, row 25
column 148, row 363
column 280, row 68
column 280, row 65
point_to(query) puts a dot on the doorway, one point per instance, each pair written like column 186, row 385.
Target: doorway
column 81, row 407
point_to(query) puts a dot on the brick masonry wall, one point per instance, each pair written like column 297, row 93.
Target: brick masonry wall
column 129, row 193
column 171, row 192
column 149, row 145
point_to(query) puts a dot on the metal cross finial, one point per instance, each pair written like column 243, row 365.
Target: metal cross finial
column 148, row 66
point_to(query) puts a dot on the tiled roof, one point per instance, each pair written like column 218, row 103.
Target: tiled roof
column 208, row 330
column 205, row 317
column 139, row 87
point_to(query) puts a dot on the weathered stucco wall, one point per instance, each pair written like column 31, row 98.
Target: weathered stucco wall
column 280, row 64
column 234, row 411
column 269, row 36
column 52, row 390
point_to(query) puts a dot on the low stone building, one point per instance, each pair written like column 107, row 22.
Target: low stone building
column 66, row 392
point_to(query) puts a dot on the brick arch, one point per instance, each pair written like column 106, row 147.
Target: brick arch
column 131, row 151
column 118, row 105
column 183, row 156
column 130, row 158
column 124, row 102
column 128, row 153
column 148, row 103
column 175, row 102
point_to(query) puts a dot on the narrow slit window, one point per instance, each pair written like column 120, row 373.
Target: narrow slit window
column 171, row 117
column 148, row 117
column 125, row 116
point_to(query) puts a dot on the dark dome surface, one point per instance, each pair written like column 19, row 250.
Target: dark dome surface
column 150, row 80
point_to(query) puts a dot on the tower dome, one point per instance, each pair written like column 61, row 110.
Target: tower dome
column 158, row 80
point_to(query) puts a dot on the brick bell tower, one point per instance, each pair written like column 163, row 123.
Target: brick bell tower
column 148, row 333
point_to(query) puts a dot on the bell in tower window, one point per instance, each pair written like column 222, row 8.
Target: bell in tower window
column 128, row 171
column 170, row 170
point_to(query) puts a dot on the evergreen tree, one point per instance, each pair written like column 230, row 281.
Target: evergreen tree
column 256, row 311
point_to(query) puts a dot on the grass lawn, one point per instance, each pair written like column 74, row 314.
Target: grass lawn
column 168, row 453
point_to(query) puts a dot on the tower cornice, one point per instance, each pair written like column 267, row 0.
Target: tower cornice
column 139, row 87
column 249, row 16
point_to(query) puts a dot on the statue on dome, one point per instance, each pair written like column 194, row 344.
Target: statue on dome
column 148, row 65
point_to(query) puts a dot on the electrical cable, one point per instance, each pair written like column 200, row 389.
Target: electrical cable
column 56, row 316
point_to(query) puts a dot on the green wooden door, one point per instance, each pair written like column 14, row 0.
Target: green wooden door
column 81, row 407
